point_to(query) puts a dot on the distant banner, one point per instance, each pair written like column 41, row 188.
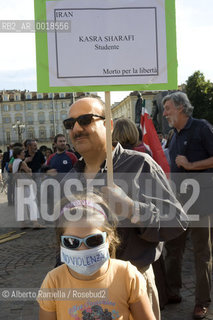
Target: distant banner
column 111, row 45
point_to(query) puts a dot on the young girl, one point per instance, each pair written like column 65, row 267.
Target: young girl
column 118, row 289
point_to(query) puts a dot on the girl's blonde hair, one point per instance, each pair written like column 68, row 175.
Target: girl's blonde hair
column 92, row 207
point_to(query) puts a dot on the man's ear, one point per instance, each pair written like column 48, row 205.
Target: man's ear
column 180, row 108
column 111, row 124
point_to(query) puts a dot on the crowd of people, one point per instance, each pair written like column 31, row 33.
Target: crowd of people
column 137, row 214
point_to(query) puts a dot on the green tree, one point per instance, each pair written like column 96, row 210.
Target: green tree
column 200, row 93
column 210, row 106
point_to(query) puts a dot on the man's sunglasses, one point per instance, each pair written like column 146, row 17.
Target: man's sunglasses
column 92, row 241
column 83, row 120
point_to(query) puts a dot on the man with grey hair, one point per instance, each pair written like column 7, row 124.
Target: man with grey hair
column 191, row 154
column 34, row 157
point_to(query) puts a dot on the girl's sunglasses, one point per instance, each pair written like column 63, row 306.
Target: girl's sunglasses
column 83, row 120
column 92, row 241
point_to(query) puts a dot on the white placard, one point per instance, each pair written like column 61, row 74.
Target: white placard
column 110, row 42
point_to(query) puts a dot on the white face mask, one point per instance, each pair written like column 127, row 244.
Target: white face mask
column 86, row 262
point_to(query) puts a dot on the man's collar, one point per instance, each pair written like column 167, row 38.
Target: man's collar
column 187, row 125
column 80, row 165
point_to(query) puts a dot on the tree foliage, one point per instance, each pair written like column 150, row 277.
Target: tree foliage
column 200, row 94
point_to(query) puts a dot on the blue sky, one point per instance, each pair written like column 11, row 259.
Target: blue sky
column 194, row 44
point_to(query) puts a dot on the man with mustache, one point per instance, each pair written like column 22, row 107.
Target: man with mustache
column 143, row 230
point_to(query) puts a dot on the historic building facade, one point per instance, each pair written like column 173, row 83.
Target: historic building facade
column 32, row 115
column 126, row 108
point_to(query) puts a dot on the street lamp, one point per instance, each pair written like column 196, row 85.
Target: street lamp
column 20, row 129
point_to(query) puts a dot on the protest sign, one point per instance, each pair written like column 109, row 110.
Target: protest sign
column 99, row 45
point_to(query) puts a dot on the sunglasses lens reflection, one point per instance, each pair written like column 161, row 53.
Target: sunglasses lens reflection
column 68, row 124
column 71, row 243
column 95, row 241
column 83, row 120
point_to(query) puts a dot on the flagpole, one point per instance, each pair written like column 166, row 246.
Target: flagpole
column 108, row 139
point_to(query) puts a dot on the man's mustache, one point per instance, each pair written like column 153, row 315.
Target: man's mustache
column 79, row 135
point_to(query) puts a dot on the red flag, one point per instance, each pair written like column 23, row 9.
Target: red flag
column 152, row 142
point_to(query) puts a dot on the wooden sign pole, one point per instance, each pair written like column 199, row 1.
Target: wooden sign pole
column 108, row 140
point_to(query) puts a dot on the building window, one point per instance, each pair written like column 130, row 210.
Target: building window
column 63, row 116
column 8, row 137
column 6, row 120
column 64, row 105
column 41, row 118
column 17, row 107
column 30, row 134
column 5, row 107
column 28, row 96
column 18, row 118
column 29, row 106
column 42, row 133
column 51, row 95
column 39, row 96
column 29, row 119
column 6, row 97
column 17, row 97
column 52, row 133
column 40, row 105
column 61, row 95
column 51, row 117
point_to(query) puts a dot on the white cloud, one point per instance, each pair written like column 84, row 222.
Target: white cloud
column 17, row 51
column 26, row 79
column 17, row 9
column 194, row 45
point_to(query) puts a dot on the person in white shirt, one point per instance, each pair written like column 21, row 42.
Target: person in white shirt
column 19, row 165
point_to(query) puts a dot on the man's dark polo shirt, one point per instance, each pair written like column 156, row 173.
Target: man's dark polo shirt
column 37, row 162
column 195, row 141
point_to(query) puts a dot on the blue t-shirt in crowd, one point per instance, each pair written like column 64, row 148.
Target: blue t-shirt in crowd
column 62, row 162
